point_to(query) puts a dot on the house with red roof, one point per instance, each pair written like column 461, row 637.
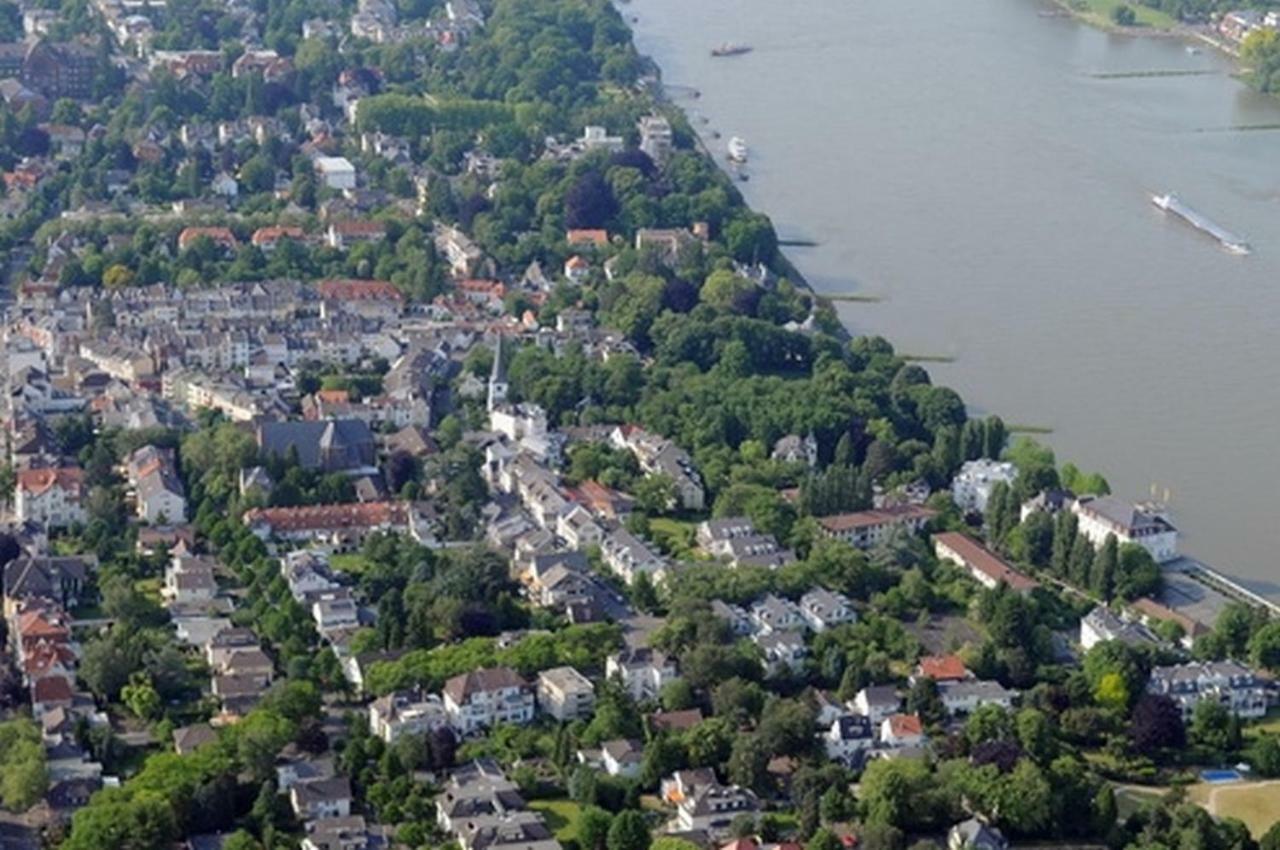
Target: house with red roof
column 484, row 293
column 587, row 238
column 373, row 299
column 51, row 692
column 267, row 239
column 220, row 236
column 347, row 523
column 902, row 730
column 50, row 497
column 343, row 234
column 941, row 668
column 576, row 269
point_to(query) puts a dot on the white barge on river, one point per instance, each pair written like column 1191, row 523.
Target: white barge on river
column 1230, row 241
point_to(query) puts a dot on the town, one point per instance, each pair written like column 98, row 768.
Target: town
column 413, row 440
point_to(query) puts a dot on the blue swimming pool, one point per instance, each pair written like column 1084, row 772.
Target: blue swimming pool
column 1219, row 776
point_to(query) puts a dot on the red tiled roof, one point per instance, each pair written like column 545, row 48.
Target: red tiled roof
column 37, row 481
column 905, row 724
column 52, row 689
column 274, row 233
column 221, row 235
column 943, row 668
column 977, row 557
column 866, row 519
column 585, row 237
column 329, row 517
column 675, row 721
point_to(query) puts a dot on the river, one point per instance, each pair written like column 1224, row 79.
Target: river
column 981, row 168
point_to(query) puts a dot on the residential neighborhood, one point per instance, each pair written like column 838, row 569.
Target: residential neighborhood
column 412, row 439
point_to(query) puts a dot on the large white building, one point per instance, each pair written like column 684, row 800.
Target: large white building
column 405, row 713
column 482, row 699
column 642, row 671
column 50, row 497
column 336, row 171
column 973, row 484
column 1235, row 686
column 566, row 694
column 1099, row 516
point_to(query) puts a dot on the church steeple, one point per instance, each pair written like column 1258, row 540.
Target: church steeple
column 497, row 378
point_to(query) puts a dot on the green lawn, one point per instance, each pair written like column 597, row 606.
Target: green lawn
column 674, row 535
column 561, row 815
column 1098, row 12
column 353, row 563
column 1131, row 798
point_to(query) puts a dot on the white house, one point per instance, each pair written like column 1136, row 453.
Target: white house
column 642, row 671
column 622, row 757
column 484, row 698
column 876, row 702
column 848, row 737
column 321, row 798
column 406, row 713
column 868, row 529
column 973, row 484
column 629, row 556
column 967, row 695
column 824, row 609
column 50, row 497
column 160, row 497
column 783, row 651
column 902, row 730
column 1101, row 625
column 1100, row 516
column 1241, row 690
column 566, row 694
column 713, row 808
column 336, row 171
column 776, row 614
column 225, row 185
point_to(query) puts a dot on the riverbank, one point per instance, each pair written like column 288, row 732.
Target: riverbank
column 1152, row 23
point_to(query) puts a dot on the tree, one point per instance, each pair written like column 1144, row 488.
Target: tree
column 1157, row 724
column 923, row 699
column 593, row 828
column 729, row 292
column 749, row 762
column 1124, row 15
column 1264, row 646
column 23, row 777
column 824, row 839
column 1214, row 726
column 628, row 832
column 1103, row 573
column 141, row 697
column 590, row 203
column 1035, row 734
column 1270, row 839
column 1265, row 756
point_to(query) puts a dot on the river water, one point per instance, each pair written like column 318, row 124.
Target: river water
column 986, row 170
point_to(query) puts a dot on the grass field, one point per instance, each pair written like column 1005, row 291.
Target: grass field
column 1098, row 13
column 1255, row 803
column 353, row 563
column 673, row 535
column 1132, row 798
column 561, row 815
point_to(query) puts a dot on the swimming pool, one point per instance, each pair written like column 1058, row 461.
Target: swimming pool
column 1220, row 776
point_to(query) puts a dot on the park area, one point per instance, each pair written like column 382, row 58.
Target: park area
column 1255, row 803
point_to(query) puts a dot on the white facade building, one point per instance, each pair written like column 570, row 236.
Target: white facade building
column 1099, row 516
column 973, row 484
